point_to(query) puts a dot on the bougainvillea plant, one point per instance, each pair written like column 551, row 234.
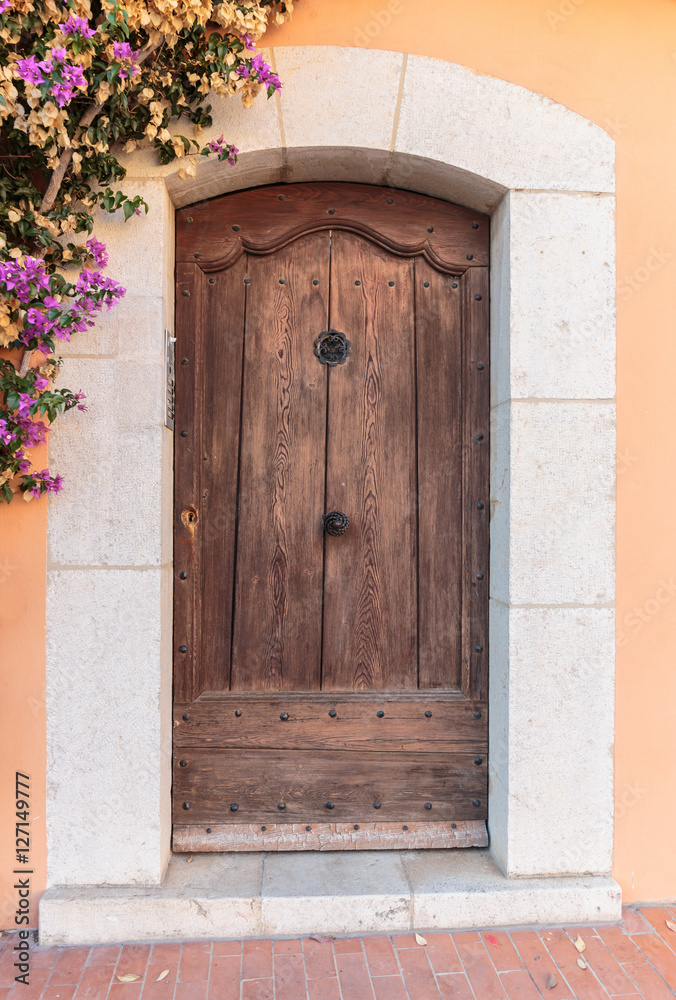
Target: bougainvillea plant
column 80, row 81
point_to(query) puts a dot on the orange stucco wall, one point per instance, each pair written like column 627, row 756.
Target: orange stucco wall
column 613, row 61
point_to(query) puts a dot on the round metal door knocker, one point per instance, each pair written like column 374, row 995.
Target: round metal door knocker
column 335, row 522
column 332, row 348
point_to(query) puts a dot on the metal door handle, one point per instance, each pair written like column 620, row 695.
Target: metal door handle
column 335, row 522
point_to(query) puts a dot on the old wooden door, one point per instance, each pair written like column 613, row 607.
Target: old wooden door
column 332, row 359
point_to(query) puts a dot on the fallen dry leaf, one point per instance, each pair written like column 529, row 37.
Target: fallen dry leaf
column 492, row 940
column 420, row 940
column 579, row 944
column 581, row 962
column 187, row 860
column 323, row 939
column 552, row 981
column 129, row 977
column 671, row 925
column 163, row 975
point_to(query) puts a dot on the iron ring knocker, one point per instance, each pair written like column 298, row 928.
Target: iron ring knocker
column 332, row 348
column 335, row 522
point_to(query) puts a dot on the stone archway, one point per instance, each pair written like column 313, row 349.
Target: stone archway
column 546, row 176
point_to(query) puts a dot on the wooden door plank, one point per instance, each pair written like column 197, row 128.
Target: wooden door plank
column 324, row 722
column 370, row 618
column 224, row 315
column 278, row 596
column 476, row 482
column 439, row 403
column 295, row 786
column 411, row 836
column 187, row 481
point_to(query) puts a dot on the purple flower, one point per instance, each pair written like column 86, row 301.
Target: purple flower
column 41, row 382
column 5, row 6
column 247, row 41
column 25, row 403
column 7, row 435
column 30, row 70
column 98, row 251
column 264, row 72
column 122, row 50
column 76, row 26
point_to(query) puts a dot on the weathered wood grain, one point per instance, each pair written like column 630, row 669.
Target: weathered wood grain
column 329, row 837
column 259, row 782
column 308, row 723
column 265, row 219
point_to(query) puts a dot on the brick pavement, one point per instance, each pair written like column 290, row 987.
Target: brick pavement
column 632, row 960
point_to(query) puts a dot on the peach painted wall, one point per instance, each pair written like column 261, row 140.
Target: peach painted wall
column 613, row 61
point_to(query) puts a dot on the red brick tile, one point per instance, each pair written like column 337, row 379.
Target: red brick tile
column 651, row 985
column 662, row 957
column 257, row 960
column 504, row 957
column 585, row 984
column 455, row 987
column 192, row 990
column 258, row 989
column 418, row 975
column 133, row 958
column 479, row 969
column 347, row 946
column 622, row 947
column 390, row 988
column 633, row 922
column 195, row 961
column 583, row 931
column 323, row 989
column 464, row 936
column 103, row 954
column 355, row 983
column 404, row 941
column 95, row 982
column 319, row 961
column 166, row 955
column 224, row 981
column 560, row 947
column 227, row 948
column 4, row 993
column 7, row 970
column 33, row 991
column 442, row 954
column 294, row 947
column 69, row 966
column 289, row 977
column 162, row 990
column 43, row 958
column 59, row 992
column 539, row 964
column 519, row 986
column 380, row 957
column 124, row 991
column 657, row 917
column 606, row 968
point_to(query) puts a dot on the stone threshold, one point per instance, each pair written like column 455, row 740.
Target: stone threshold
column 289, row 895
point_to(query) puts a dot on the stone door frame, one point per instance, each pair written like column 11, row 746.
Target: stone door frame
column 546, row 176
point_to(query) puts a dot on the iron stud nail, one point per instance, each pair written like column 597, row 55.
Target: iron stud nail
column 238, row 712
column 476, row 803
column 197, row 254
column 477, row 715
column 329, row 805
column 332, row 211
column 184, row 434
column 454, row 284
column 479, row 576
column 478, row 298
column 281, row 805
column 404, row 828
column 390, row 201
column 235, row 229
column 184, row 575
column 284, row 716
column 208, row 829
column 454, row 826
column 233, row 807
column 479, row 506
column 184, row 361
column 282, row 197
column 333, row 713
column 426, row 284
column 380, row 713
column 264, row 828
column 479, row 437
column 469, row 256
column 475, row 225
column 186, row 805
column 189, row 219
column 308, row 828
column 185, row 716
column 186, row 293
column 357, row 282
column 356, row 826
column 212, row 281
column 390, row 283
column 478, row 761
column 247, row 281
column 282, row 281
column 428, row 805
column 430, row 229
column 480, row 366
column 183, row 649
column 478, row 649
column 376, row 805
column 183, row 763
column 315, row 281
column 428, row 714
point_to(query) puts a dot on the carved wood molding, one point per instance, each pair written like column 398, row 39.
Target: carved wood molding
column 263, row 220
